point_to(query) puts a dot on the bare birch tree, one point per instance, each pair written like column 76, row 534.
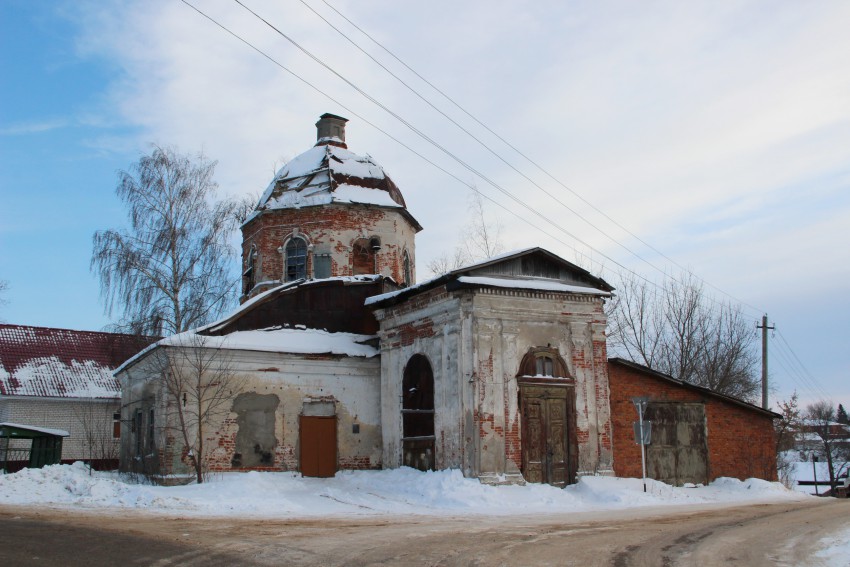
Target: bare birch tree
column 677, row 329
column 171, row 269
column 200, row 384
column 481, row 238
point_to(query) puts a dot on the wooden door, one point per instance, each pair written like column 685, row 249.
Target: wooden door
column 318, row 446
column 548, row 455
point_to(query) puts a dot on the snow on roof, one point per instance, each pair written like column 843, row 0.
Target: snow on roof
column 58, row 432
column 283, row 340
column 62, row 363
column 524, row 283
column 533, row 283
column 327, row 174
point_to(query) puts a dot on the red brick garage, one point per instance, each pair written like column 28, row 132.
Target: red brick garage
column 698, row 435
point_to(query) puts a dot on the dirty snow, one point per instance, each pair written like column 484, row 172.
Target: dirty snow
column 356, row 493
column 834, row 550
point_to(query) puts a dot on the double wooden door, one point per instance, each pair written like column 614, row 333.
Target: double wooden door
column 548, row 434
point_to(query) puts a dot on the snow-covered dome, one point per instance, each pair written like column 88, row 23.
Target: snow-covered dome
column 330, row 173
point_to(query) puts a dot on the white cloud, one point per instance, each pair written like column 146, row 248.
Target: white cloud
column 717, row 131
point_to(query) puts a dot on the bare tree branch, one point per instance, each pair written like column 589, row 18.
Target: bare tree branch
column 480, row 239
column 677, row 331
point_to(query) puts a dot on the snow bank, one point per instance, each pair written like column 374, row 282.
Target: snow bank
column 400, row 491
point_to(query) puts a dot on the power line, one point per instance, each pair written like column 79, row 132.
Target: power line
column 434, row 143
column 379, row 129
column 515, row 149
column 803, row 370
column 448, row 153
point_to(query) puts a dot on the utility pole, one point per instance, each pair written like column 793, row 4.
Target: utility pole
column 764, row 328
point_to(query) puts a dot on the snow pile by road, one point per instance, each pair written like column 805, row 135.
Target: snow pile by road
column 400, row 491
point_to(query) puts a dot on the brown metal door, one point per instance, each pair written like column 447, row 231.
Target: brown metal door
column 318, row 446
column 678, row 452
column 546, row 454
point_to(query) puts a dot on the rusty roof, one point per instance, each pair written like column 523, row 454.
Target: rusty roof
column 63, row 363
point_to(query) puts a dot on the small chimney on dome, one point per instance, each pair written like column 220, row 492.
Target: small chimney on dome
column 330, row 130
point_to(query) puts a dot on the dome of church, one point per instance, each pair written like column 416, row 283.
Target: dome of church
column 330, row 173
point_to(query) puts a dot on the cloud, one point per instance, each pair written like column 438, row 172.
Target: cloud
column 719, row 132
column 24, row 128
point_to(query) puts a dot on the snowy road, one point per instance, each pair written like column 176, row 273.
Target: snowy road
column 759, row 534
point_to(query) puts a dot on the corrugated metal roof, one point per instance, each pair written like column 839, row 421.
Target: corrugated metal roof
column 63, row 363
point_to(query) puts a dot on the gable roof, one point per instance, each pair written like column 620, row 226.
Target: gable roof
column 63, row 363
column 530, row 269
column 646, row 371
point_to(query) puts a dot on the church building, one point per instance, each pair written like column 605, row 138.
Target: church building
column 337, row 359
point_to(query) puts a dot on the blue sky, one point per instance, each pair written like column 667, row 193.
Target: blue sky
column 718, row 132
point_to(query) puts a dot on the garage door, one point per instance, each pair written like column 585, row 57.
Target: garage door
column 679, row 450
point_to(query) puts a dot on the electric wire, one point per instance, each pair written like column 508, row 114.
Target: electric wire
column 803, row 370
column 439, row 146
column 444, row 150
column 450, row 154
column 477, row 139
column 515, row 149
column 382, row 131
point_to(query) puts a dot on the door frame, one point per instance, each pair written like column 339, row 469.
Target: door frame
column 565, row 388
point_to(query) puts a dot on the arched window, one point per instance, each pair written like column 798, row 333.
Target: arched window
column 249, row 276
column 296, row 259
column 417, row 414
column 543, row 361
column 363, row 257
column 405, row 266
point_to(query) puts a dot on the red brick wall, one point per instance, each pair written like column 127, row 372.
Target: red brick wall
column 741, row 441
column 336, row 227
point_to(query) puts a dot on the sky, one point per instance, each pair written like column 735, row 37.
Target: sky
column 717, row 133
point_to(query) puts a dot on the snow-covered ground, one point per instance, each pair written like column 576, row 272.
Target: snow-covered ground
column 401, row 491
column 835, row 550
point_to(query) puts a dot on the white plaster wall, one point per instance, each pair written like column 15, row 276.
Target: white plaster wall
column 353, row 383
column 442, row 348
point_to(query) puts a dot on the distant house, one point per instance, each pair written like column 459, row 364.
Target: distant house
column 697, row 436
column 62, row 379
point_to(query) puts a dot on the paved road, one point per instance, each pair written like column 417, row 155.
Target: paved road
column 764, row 534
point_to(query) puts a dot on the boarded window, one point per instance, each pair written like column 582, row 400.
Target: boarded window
column 322, row 265
column 116, row 425
column 362, row 258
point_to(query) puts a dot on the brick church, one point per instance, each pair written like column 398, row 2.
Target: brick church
column 498, row 369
